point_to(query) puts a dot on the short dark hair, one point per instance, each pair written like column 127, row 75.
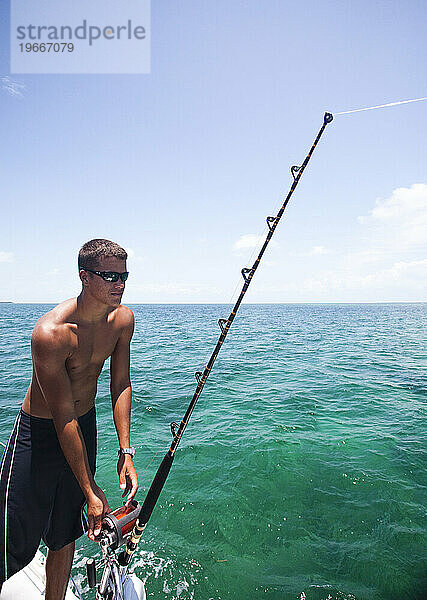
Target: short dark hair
column 92, row 251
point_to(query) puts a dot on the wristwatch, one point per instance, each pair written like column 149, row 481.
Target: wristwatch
column 130, row 451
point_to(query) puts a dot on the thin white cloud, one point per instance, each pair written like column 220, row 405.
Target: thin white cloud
column 400, row 220
column 13, row 88
column 6, row 257
column 392, row 244
column 387, row 258
column 314, row 251
column 403, row 201
column 250, row 240
column 317, row 250
column 173, row 289
column 364, row 257
column 402, row 269
column 398, row 272
column 134, row 257
column 411, row 273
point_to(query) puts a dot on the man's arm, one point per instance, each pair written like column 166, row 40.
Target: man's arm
column 50, row 349
column 121, row 397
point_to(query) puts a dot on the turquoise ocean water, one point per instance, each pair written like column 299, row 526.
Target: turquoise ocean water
column 302, row 473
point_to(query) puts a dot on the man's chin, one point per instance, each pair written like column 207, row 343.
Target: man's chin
column 115, row 300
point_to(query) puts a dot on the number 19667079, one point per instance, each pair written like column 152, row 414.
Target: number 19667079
column 47, row 47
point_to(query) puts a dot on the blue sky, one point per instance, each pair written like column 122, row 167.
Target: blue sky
column 182, row 165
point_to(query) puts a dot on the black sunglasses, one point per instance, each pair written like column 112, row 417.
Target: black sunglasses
column 111, row 276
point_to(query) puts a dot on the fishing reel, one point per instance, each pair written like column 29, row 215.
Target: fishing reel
column 118, row 525
column 115, row 530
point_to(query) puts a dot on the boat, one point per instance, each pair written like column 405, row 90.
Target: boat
column 115, row 582
column 30, row 583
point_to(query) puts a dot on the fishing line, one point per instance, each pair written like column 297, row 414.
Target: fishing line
column 347, row 112
column 146, row 468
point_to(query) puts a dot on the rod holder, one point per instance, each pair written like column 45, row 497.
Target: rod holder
column 245, row 271
column 222, row 323
column 91, row 572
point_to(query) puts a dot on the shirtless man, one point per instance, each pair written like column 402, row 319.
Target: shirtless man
column 47, row 472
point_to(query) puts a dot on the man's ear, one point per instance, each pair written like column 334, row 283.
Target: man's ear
column 84, row 277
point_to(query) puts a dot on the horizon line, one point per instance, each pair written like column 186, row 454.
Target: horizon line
column 245, row 304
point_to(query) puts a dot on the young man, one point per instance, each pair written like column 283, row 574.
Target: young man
column 47, row 471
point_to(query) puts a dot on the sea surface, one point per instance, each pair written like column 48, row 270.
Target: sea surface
column 302, row 473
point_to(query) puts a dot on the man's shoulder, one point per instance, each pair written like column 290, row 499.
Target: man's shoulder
column 124, row 316
column 123, row 321
column 53, row 329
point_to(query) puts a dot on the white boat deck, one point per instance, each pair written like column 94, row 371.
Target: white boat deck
column 29, row 584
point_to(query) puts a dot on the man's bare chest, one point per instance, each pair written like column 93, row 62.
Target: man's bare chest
column 91, row 348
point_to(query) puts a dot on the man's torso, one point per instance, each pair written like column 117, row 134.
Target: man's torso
column 90, row 344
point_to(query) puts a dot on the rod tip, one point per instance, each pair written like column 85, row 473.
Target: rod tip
column 328, row 118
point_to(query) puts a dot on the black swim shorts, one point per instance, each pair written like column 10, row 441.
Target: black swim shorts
column 40, row 497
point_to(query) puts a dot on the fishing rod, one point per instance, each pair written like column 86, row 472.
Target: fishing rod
column 224, row 324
